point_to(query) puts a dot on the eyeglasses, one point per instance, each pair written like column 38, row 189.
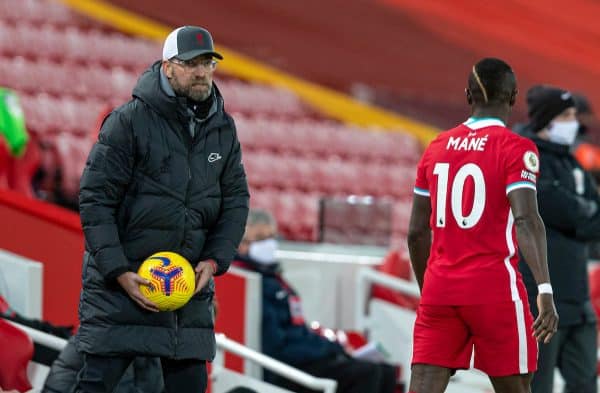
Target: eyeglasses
column 204, row 64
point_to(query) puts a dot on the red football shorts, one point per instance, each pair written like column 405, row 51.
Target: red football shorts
column 501, row 336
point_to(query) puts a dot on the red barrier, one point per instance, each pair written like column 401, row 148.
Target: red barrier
column 17, row 351
column 231, row 315
column 53, row 236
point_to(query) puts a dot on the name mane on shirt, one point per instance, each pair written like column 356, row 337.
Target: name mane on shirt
column 467, row 143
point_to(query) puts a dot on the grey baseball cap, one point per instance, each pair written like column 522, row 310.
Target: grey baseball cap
column 187, row 42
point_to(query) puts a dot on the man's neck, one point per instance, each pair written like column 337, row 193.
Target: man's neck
column 491, row 112
column 201, row 108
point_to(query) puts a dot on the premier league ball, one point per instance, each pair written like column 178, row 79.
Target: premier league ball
column 172, row 280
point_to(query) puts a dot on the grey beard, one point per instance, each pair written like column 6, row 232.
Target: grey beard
column 187, row 93
column 204, row 96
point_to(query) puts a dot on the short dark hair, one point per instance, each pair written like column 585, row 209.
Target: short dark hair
column 492, row 81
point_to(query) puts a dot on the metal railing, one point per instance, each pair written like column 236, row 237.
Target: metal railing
column 365, row 278
column 223, row 345
column 300, row 377
column 42, row 338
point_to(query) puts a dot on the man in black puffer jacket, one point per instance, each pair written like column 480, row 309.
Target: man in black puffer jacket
column 568, row 203
column 165, row 175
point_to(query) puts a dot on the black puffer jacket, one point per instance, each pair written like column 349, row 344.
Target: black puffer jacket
column 150, row 186
column 568, row 203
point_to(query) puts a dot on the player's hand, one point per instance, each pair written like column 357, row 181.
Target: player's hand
column 204, row 272
column 546, row 323
column 131, row 282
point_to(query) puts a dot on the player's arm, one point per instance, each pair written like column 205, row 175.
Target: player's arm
column 419, row 236
column 531, row 237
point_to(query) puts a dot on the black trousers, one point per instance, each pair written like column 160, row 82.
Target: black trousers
column 574, row 351
column 101, row 374
column 352, row 375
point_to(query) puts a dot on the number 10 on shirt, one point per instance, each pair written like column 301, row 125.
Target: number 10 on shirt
column 441, row 170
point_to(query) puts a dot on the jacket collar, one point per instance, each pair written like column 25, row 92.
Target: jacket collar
column 165, row 85
column 554, row 148
column 249, row 263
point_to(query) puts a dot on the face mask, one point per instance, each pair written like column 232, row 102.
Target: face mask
column 263, row 251
column 563, row 132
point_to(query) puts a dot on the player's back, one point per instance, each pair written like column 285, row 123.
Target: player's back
column 467, row 172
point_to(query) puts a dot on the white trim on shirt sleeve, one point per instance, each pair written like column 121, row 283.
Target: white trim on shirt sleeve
column 421, row 191
column 519, row 184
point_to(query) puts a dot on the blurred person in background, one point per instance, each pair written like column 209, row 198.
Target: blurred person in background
column 19, row 158
column 12, row 123
column 474, row 204
column 568, row 201
column 586, row 148
column 165, row 174
column 531, row 95
column 285, row 335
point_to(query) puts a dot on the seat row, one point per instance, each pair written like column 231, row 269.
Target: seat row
column 67, row 79
column 312, row 137
column 328, row 176
column 45, row 114
column 85, row 46
column 269, row 101
column 41, row 11
column 114, row 86
column 309, row 138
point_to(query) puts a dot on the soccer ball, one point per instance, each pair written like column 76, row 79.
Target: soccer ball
column 172, row 280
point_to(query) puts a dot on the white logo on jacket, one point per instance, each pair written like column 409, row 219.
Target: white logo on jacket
column 212, row 157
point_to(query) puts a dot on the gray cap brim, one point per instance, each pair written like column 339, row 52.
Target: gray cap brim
column 195, row 53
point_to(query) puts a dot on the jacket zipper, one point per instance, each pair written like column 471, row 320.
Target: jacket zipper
column 176, row 333
column 187, row 190
column 187, row 200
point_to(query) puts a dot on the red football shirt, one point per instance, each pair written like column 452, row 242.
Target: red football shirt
column 468, row 172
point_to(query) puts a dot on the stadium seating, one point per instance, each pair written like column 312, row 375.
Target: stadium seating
column 320, row 138
column 297, row 213
column 36, row 12
column 252, row 98
column 69, row 70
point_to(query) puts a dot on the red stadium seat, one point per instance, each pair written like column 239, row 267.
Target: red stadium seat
column 398, row 180
column 251, row 98
column 72, row 155
column 22, row 169
column 396, row 264
column 4, row 169
column 401, row 210
column 262, row 170
column 17, row 351
column 297, row 214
